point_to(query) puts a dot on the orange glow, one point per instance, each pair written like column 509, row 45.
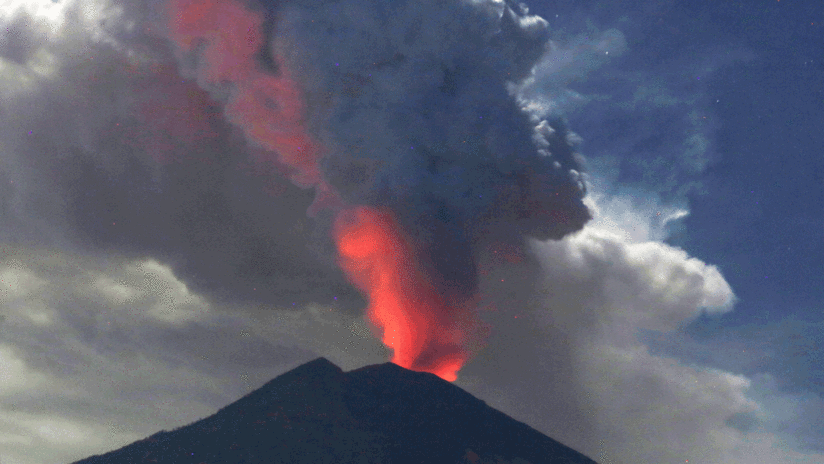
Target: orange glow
column 416, row 322
column 424, row 332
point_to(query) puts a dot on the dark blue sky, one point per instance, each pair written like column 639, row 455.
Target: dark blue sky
column 754, row 73
column 763, row 220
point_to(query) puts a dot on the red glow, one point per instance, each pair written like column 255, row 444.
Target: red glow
column 229, row 31
column 268, row 108
column 416, row 323
column 422, row 330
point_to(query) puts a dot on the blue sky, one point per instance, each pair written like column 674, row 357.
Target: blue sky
column 155, row 270
column 755, row 71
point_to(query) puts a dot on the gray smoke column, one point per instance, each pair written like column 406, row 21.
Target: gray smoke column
column 404, row 111
column 410, row 101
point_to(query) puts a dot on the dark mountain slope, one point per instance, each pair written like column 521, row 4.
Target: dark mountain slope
column 316, row 413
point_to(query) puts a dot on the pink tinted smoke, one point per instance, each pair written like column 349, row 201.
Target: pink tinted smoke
column 267, row 107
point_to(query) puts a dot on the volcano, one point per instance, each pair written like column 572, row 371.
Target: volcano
column 382, row 413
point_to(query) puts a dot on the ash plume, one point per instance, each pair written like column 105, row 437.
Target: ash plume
column 410, row 108
column 194, row 113
column 409, row 101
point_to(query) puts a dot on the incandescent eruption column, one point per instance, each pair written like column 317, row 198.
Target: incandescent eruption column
column 405, row 118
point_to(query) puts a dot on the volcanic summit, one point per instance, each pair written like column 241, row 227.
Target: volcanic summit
column 382, row 413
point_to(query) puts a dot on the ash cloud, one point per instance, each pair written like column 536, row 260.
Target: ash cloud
column 106, row 148
column 421, row 120
column 412, row 105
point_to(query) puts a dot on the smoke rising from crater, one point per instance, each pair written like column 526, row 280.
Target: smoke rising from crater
column 231, row 139
column 407, row 107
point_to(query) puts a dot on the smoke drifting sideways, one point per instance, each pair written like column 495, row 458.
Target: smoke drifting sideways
column 399, row 115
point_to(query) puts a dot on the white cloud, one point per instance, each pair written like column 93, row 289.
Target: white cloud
column 47, row 10
column 173, row 302
column 564, row 355
column 16, row 282
column 15, row 375
column 27, row 438
column 118, row 293
column 653, row 409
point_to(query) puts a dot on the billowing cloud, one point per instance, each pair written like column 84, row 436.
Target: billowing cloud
column 406, row 122
column 110, row 150
column 566, row 357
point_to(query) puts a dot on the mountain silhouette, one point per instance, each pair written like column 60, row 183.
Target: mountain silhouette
column 383, row 413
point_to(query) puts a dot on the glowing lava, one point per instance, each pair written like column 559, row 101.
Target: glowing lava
column 417, row 324
column 424, row 332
